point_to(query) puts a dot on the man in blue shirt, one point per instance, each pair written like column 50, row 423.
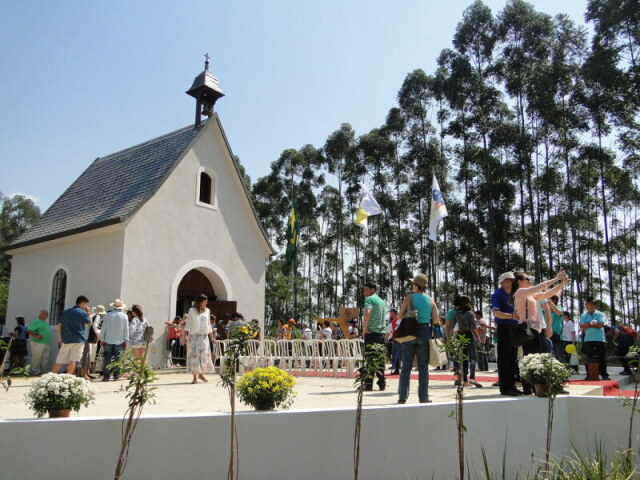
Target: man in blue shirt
column 592, row 324
column 71, row 336
column 506, row 320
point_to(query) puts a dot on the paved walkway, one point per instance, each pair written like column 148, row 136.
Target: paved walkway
column 176, row 395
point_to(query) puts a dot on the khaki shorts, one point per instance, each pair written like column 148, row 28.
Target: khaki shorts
column 70, row 352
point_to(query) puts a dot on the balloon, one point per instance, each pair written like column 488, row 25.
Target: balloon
column 570, row 349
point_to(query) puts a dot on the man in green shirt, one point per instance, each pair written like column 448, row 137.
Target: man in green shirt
column 40, row 334
column 373, row 328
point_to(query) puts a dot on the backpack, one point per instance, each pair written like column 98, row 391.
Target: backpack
column 628, row 331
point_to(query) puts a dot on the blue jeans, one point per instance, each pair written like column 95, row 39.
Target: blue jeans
column 419, row 347
column 396, row 352
column 111, row 351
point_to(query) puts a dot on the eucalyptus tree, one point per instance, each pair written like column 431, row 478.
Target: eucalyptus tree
column 525, row 36
column 613, row 80
column 467, row 79
column 397, row 204
column 375, row 154
column 603, row 101
column 617, row 39
column 417, row 105
column 339, row 151
column 562, row 122
column 292, row 178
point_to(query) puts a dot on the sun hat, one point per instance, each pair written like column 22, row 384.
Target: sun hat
column 99, row 310
column 118, row 304
column 506, row 276
column 420, row 280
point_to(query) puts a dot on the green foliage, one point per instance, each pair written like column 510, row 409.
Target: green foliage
column 4, row 295
column 5, row 381
column 237, row 347
column 375, row 357
column 515, row 123
column 140, row 377
column 595, row 466
column 455, row 348
column 139, row 393
column 16, row 215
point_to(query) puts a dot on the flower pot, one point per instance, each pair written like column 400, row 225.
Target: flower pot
column 61, row 413
column 264, row 407
column 542, row 389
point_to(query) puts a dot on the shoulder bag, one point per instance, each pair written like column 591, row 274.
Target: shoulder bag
column 521, row 333
column 408, row 327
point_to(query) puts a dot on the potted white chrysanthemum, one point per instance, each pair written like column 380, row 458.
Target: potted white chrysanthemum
column 58, row 394
column 544, row 372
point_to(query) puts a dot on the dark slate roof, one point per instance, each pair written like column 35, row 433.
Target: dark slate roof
column 112, row 188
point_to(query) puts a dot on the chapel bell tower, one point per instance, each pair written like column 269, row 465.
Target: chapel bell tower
column 206, row 91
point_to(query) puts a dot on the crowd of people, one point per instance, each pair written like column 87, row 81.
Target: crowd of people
column 89, row 339
column 84, row 336
column 516, row 304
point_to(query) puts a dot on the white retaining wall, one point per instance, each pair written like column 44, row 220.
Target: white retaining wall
column 408, row 442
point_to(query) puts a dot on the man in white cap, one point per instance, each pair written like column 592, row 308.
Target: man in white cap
column 506, row 320
column 114, row 337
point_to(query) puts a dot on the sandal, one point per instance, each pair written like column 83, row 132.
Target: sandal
column 203, row 378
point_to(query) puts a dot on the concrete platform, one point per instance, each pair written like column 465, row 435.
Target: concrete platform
column 176, row 395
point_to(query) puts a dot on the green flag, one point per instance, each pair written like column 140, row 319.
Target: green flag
column 293, row 230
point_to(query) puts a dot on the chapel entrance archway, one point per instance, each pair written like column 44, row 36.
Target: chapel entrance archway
column 202, row 277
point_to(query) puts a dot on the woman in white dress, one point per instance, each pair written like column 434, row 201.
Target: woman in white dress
column 197, row 334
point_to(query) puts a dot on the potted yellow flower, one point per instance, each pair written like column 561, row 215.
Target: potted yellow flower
column 266, row 388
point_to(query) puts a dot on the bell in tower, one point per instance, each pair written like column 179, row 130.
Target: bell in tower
column 206, row 91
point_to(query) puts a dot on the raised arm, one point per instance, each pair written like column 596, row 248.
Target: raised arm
column 552, row 291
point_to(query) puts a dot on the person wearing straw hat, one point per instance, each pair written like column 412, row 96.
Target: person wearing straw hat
column 427, row 315
column 114, row 337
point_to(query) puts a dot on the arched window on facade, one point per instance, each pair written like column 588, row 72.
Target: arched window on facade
column 58, row 294
column 205, row 188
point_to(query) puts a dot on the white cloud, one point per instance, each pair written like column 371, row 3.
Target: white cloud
column 34, row 199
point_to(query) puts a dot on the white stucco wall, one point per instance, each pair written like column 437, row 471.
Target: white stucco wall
column 416, row 442
column 171, row 234
column 143, row 260
column 93, row 264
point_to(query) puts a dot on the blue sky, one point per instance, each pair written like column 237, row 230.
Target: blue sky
column 80, row 80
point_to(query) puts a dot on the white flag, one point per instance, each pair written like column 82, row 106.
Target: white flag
column 368, row 206
column 438, row 209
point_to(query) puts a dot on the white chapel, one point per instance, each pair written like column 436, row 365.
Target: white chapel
column 155, row 225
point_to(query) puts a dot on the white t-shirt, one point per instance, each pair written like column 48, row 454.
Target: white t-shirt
column 307, row 334
column 569, row 331
column 325, row 334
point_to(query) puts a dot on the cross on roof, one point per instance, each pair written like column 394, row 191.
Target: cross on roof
column 206, row 63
